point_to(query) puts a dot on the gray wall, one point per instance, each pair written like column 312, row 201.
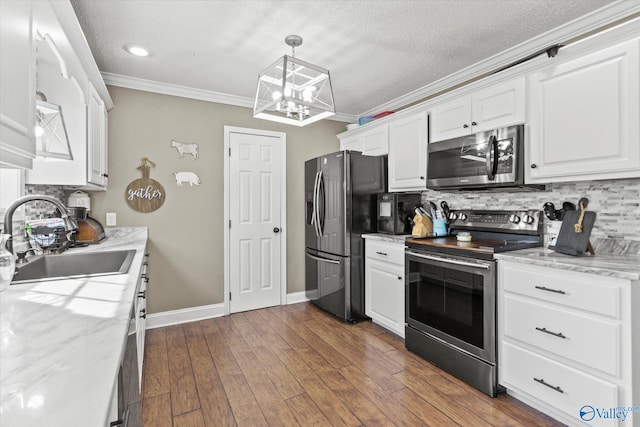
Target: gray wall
column 186, row 234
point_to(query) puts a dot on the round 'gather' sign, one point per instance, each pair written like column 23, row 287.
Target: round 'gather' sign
column 145, row 194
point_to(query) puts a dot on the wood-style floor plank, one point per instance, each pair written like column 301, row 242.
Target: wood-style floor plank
column 184, row 396
column 156, row 411
column 297, row 365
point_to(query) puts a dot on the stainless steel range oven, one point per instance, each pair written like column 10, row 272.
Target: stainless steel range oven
column 451, row 292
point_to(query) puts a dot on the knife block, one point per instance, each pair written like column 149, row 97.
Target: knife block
column 571, row 243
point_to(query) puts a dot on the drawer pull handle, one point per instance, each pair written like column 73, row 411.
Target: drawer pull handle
column 543, row 382
column 556, row 291
column 381, row 253
column 555, row 334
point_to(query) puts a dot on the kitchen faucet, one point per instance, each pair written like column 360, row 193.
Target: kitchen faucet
column 69, row 223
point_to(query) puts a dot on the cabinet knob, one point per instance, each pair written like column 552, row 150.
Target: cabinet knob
column 474, row 123
column 143, row 313
column 106, row 175
column 422, row 178
column 142, row 294
column 533, row 166
column 399, row 277
column 465, row 125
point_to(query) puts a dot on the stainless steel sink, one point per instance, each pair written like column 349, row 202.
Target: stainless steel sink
column 72, row 266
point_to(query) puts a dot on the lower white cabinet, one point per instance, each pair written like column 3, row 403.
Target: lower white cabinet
column 141, row 315
column 568, row 342
column 384, row 284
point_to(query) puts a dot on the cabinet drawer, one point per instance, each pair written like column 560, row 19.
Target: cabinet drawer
column 576, row 290
column 590, row 341
column 525, row 371
column 385, row 251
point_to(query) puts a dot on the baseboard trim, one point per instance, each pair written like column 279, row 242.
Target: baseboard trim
column 296, row 297
column 193, row 314
column 176, row 317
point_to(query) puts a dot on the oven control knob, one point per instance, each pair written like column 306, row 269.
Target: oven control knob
column 528, row 219
column 462, row 217
column 514, row 218
column 453, row 216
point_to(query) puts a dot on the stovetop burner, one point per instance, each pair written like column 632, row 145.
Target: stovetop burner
column 491, row 232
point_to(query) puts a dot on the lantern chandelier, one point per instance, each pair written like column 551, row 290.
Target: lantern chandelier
column 293, row 91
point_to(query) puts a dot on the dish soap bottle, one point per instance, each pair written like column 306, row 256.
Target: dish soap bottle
column 7, row 263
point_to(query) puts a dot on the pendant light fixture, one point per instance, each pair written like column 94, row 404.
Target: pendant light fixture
column 293, row 91
column 52, row 140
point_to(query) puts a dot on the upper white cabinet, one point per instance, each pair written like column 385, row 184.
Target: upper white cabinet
column 493, row 107
column 97, row 139
column 17, row 84
column 408, row 153
column 584, row 117
column 69, row 77
column 373, row 141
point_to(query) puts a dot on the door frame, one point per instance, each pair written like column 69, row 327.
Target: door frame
column 283, row 209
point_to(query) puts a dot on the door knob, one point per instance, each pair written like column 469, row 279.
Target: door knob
column 276, row 230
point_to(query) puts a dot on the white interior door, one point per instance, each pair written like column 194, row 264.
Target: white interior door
column 255, row 219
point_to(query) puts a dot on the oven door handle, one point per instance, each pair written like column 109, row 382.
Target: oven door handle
column 450, row 261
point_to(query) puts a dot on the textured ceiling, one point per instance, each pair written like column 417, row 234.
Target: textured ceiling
column 376, row 51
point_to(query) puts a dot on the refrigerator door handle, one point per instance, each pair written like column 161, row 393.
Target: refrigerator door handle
column 321, row 217
column 314, row 215
column 317, row 258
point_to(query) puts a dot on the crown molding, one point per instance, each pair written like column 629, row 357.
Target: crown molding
column 607, row 15
column 193, row 93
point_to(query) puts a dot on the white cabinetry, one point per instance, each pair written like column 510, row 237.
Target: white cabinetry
column 69, row 77
column 17, row 84
column 96, row 140
column 140, row 310
column 371, row 142
column 408, row 153
column 493, row 107
column 583, row 117
column 565, row 341
column 384, row 284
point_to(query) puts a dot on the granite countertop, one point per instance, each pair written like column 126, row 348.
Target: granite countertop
column 61, row 342
column 393, row 238
column 612, row 265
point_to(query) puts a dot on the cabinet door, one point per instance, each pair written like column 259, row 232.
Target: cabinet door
column 97, row 143
column 384, row 295
column 350, row 143
column 451, row 119
column 584, row 118
column 408, row 153
column 498, row 106
column 17, row 85
column 375, row 142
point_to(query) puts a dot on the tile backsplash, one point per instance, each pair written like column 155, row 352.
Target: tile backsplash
column 616, row 203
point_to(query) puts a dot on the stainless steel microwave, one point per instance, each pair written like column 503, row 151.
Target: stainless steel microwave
column 396, row 210
column 491, row 159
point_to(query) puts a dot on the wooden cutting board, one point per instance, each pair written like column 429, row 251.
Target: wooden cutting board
column 569, row 242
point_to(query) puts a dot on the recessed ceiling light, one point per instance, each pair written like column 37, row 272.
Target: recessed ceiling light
column 137, row 50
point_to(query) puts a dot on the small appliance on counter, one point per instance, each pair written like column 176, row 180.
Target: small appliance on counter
column 396, row 210
column 89, row 231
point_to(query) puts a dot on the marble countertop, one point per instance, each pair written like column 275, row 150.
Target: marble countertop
column 394, row 238
column 611, row 265
column 61, row 342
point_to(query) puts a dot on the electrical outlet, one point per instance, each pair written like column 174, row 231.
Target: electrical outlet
column 111, row 219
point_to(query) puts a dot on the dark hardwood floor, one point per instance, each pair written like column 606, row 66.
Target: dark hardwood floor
column 296, row 365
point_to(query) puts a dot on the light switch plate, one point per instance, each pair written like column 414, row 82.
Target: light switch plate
column 111, row 219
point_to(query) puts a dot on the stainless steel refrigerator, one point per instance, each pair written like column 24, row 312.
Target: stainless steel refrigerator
column 340, row 192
